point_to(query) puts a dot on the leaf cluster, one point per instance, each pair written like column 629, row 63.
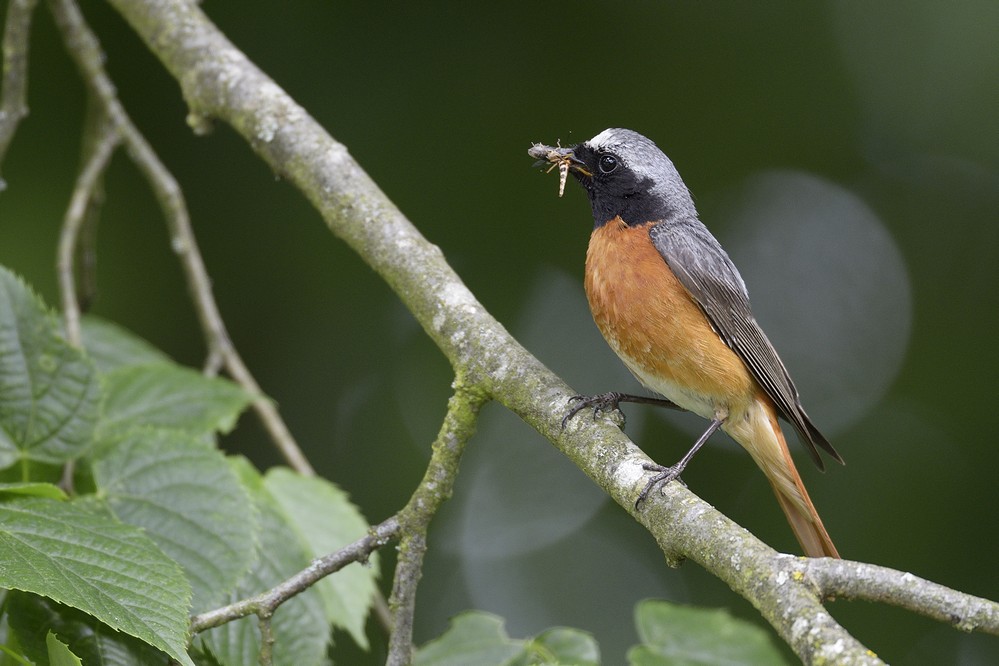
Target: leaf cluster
column 120, row 516
column 669, row 635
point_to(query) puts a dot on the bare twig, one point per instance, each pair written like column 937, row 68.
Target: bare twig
column 434, row 489
column 266, row 639
column 85, row 50
column 14, row 87
column 266, row 603
column 869, row 582
column 411, row 523
column 100, row 151
column 379, row 606
column 94, row 124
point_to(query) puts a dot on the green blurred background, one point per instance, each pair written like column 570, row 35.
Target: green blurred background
column 846, row 154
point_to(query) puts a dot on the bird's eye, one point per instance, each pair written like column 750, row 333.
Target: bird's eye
column 607, row 163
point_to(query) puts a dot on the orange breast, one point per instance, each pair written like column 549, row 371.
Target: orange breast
column 657, row 328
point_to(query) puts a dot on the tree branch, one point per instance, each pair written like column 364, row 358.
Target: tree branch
column 435, row 487
column 219, row 82
column 265, row 603
column 869, row 582
column 14, row 87
column 85, row 51
column 94, row 126
column 100, row 150
column 410, row 523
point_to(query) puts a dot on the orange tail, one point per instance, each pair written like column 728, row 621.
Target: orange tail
column 761, row 435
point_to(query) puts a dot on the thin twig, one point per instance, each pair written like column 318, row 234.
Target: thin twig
column 435, row 487
column 85, row 50
column 14, row 87
column 86, row 253
column 869, row 582
column 267, row 602
column 379, row 606
column 100, row 151
column 412, row 523
column 266, row 639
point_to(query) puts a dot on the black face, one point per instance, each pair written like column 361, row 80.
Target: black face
column 615, row 189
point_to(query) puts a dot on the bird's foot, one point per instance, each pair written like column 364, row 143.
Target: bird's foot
column 604, row 402
column 665, row 476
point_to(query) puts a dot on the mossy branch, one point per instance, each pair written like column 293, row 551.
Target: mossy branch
column 435, row 488
column 14, row 82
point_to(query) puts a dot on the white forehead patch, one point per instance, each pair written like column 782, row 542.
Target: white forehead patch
column 647, row 164
column 605, row 139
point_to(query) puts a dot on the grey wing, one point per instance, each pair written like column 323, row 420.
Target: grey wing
column 704, row 269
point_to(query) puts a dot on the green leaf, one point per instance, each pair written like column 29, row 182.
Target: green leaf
column 299, row 626
column 9, row 657
column 33, row 489
column 59, row 653
column 248, row 475
column 86, row 560
column 170, row 396
column 565, row 645
column 686, row 636
column 473, row 639
column 326, row 520
column 188, row 500
column 203, row 657
column 111, row 347
column 32, row 617
column 49, row 394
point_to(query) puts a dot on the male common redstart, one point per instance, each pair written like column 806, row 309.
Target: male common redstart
column 672, row 305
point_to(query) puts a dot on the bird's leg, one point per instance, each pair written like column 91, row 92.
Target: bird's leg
column 607, row 402
column 667, row 474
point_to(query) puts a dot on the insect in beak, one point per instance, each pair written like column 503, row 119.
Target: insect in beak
column 563, row 171
column 557, row 157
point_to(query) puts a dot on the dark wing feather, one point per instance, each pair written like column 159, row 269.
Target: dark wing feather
column 703, row 268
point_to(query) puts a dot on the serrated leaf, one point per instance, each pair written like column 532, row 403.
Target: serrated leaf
column 188, row 500
column 170, row 396
column 687, row 636
column 83, row 559
column 111, row 347
column 473, row 639
column 49, row 394
column 326, row 520
column 299, row 625
column 59, row 653
column 33, row 489
column 32, row 617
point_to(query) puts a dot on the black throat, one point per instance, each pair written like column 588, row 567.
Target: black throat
column 635, row 204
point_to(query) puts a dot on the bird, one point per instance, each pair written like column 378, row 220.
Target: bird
column 674, row 308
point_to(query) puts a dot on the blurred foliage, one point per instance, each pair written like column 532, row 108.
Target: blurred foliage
column 888, row 109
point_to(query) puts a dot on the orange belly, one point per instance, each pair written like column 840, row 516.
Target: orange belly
column 655, row 326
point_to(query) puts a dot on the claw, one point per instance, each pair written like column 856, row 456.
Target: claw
column 669, row 474
column 605, row 402
column 666, row 476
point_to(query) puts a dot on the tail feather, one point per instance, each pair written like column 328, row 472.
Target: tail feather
column 807, row 526
column 763, row 438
